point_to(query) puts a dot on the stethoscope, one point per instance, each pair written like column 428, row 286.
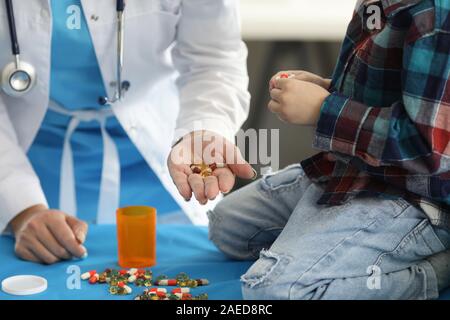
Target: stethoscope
column 19, row 77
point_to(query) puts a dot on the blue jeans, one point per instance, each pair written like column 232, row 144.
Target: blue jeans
column 367, row 248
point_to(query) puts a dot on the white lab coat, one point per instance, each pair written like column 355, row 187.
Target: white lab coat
column 186, row 64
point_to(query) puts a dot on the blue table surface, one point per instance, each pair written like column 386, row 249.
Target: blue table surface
column 180, row 248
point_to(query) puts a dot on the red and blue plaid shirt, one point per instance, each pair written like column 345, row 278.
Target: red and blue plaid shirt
column 385, row 129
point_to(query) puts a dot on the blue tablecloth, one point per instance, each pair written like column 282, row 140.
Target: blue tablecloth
column 179, row 249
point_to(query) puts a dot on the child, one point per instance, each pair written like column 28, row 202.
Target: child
column 366, row 218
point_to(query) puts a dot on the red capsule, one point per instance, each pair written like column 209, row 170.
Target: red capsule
column 181, row 290
column 202, row 282
column 156, row 290
column 166, row 282
column 121, row 284
column 186, row 296
column 93, row 279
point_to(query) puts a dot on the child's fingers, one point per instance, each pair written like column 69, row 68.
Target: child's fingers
column 275, row 94
column 288, row 72
column 274, row 106
column 281, row 83
column 278, row 75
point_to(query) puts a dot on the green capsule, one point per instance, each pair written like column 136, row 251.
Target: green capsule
column 182, row 276
column 148, row 283
column 182, row 283
column 102, row 278
column 139, row 282
column 113, row 282
column 161, row 277
column 113, row 273
column 148, row 274
column 113, row 289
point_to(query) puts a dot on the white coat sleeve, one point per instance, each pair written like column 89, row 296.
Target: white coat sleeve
column 212, row 61
column 20, row 187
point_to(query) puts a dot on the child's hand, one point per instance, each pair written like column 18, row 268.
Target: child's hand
column 304, row 76
column 296, row 101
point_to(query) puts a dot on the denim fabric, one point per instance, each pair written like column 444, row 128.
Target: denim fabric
column 367, row 248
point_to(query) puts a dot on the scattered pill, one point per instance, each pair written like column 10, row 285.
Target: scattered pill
column 133, row 271
column 87, row 275
column 119, row 284
column 155, row 290
column 181, row 290
column 202, row 282
column 186, row 296
column 94, row 279
column 166, row 282
column 128, row 290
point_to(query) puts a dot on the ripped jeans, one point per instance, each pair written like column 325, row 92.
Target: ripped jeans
column 367, row 248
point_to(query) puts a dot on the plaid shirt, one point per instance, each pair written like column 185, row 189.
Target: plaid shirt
column 385, row 129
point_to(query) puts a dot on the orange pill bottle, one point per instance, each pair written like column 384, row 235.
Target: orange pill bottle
column 136, row 236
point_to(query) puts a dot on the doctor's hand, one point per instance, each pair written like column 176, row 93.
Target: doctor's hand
column 206, row 147
column 48, row 236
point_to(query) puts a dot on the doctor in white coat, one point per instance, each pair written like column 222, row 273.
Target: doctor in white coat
column 185, row 65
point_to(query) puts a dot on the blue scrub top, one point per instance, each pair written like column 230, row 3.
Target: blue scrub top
column 76, row 83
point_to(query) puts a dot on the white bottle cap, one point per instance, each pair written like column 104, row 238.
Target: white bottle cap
column 24, row 285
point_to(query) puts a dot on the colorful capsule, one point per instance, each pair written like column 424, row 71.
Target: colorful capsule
column 88, row 275
column 94, row 279
column 166, row 282
column 156, row 290
column 202, row 282
column 181, row 290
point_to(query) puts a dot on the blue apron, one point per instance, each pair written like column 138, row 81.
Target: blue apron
column 76, row 84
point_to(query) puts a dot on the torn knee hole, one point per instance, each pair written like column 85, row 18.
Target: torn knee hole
column 266, row 270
